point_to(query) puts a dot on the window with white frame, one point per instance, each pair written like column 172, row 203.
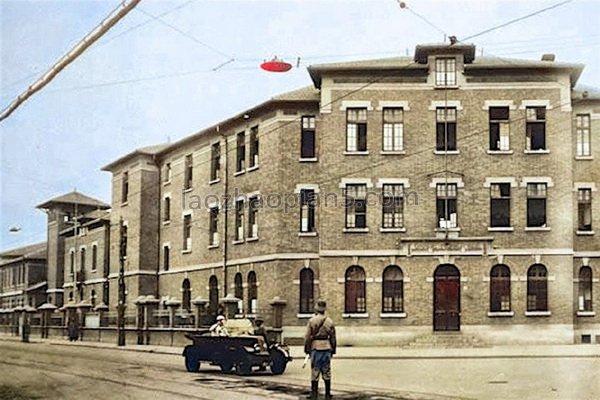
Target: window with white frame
column 253, row 206
column 499, row 128
column 445, row 72
column 187, row 232
column 584, row 298
column 213, row 226
column 307, row 210
column 536, row 128
column 446, row 205
column 356, row 205
column 583, row 135
column 536, row 204
column 537, row 288
column 356, row 129
column 584, row 209
column 253, row 161
column 445, row 128
column 499, row 205
column 392, row 206
column 239, row 220
column 393, row 129
column 500, row 288
column 307, row 137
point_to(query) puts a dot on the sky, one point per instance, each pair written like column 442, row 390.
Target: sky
column 151, row 79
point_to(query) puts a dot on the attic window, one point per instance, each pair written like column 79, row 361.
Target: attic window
column 445, row 72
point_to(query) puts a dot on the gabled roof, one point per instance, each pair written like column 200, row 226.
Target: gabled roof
column 74, row 197
column 148, row 151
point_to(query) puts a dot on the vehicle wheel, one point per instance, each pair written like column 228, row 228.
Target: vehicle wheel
column 192, row 360
column 279, row 362
column 226, row 366
column 243, row 368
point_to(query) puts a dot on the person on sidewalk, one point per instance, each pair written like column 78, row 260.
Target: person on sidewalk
column 218, row 328
column 320, row 343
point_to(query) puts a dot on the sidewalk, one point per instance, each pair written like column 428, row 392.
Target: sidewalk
column 375, row 353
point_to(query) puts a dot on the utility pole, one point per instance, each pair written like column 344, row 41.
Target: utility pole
column 121, row 302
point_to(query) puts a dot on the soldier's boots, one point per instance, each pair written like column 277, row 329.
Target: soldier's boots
column 328, row 390
column 314, row 390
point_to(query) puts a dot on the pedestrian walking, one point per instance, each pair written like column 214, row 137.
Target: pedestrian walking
column 320, row 343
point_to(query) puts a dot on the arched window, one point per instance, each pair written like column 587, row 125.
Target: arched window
column 213, row 294
column 307, row 291
column 252, row 293
column 93, row 298
column 499, row 288
column 238, row 289
column 585, row 289
column 72, row 263
column 186, row 295
column 82, row 266
column 355, row 290
column 537, row 288
column 392, row 290
column 71, row 296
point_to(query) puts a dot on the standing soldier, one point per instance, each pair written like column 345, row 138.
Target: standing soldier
column 320, row 343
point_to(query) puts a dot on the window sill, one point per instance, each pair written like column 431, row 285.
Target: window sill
column 355, row 315
column 501, row 314
column 252, row 239
column 537, row 229
column 253, row 168
column 445, row 87
column 448, row 152
column 238, row 173
column 308, row 160
column 584, row 158
column 166, row 222
column 391, row 230
column 214, row 181
column 392, row 315
column 165, row 183
column 187, row 190
column 240, row 241
column 542, row 151
column 538, row 313
column 307, row 234
column 392, row 152
column 447, row 229
column 355, row 230
column 585, row 233
column 304, row 316
column 186, row 251
column 499, row 152
column 124, row 204
column 356, row 153
column 586, row 313
column 500, row 229
column 213, row 246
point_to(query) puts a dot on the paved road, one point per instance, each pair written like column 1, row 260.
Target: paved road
column 68, row 372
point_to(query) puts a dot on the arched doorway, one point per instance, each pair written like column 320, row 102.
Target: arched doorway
column 446, row 298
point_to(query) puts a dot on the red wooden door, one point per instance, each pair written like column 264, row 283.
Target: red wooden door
column 446, row 310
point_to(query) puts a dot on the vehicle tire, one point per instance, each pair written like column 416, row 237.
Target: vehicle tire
column 243, row 368
column 192, row 360
column 279, row 362
column 226, row 366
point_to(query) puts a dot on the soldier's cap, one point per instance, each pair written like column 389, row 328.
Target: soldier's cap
column 259, row 319
column 220, row 318
column 321, row 306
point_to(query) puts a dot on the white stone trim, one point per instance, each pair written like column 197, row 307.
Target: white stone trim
column 213, row 204
column 500, row 229
column 537, row 179
column 392, row 181
column 393, row 104
column 304, row 316
column 166, row 244
column 94, row 281
column 309, row 186
column 499, row 103
column 500, row 179
column 55, row 291
column 538, row 313
column 443, row 104
column 355, row 315
column 458, row 181
column 392, row 315
column 530, row 251
column 586, row 313
column 535, row 103
column 253, row 194
column 132, row 273
column 584, row 185
column 355, row 181
column 356, row 104
column 495, row 314
column 167, row 195
column 185, row 213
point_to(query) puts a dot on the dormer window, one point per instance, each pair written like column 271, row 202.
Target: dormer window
column 445, row 72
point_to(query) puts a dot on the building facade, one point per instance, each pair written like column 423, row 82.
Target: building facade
column 23, row 277
column 442, row 192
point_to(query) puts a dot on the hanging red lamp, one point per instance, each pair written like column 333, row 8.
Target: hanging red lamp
column 276, row 65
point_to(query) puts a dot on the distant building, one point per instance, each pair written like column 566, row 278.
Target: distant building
column 443, row 192
column 23, row 276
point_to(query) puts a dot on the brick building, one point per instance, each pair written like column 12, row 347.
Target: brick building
column 23, row 276
column 442, row 192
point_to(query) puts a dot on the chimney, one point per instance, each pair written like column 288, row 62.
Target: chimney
column 548, row 57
